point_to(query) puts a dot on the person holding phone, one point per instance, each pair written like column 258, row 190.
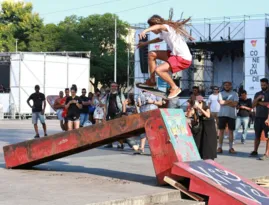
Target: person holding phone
column 202, row 125
column 73, row 105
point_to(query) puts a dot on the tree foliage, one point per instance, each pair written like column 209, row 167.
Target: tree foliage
column 94, row 33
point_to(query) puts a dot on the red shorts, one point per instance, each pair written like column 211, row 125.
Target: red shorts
column 177, row 63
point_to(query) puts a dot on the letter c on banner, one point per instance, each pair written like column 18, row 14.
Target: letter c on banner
column 254, row 53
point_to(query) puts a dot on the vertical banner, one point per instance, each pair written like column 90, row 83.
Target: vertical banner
column 254, row 49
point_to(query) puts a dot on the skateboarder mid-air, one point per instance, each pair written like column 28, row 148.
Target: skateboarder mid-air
column 177, row 58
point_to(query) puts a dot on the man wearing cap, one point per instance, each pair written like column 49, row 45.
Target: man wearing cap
column 38, row 110
column 214, row 106
column 228, row 100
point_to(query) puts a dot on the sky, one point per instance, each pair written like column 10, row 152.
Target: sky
column 53, row 11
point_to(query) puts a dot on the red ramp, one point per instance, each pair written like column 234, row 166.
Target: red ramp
column 37, row 151
column 220, row 184
column 173, row 150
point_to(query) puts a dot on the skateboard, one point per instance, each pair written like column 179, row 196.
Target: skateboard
column 154, row 91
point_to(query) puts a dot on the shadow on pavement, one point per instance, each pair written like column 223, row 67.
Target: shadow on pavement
column 66, row 167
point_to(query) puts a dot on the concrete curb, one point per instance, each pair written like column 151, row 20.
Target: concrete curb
column 160, row 198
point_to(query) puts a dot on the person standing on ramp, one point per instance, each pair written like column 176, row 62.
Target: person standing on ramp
column 177, row 58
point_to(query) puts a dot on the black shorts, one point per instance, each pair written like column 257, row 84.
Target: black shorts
column 223, row 121
column 259, row 126
column 73, row 118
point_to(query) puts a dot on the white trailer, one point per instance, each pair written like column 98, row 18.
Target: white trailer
column 53, row 72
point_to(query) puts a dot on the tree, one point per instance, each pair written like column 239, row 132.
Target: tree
column 18, row 22
column 98, row 34
column 94, row 33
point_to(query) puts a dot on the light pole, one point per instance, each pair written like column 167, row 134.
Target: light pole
column 16, row 45
column 128, row 67
column 115, row 51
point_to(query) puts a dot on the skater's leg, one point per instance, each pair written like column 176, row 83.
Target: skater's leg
column 163, row 71
column 152, row 57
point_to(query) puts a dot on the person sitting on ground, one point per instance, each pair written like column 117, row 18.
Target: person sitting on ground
column 203, row 128
column 73, row 105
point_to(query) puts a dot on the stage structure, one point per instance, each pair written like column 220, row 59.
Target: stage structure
column 228, row 48
column 53, row 72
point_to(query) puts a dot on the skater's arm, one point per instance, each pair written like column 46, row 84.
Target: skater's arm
column 142, row 44
column 155, row 40
column 152, row 28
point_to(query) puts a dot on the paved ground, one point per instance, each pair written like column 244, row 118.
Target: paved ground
column 97, row 175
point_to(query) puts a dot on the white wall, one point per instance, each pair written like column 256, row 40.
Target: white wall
column 52, row 73
column 4, row 101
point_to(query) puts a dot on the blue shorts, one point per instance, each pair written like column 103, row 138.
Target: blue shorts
column 36, row 116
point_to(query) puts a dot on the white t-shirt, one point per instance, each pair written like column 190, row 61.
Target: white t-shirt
column 215, row 106
column 176, row 43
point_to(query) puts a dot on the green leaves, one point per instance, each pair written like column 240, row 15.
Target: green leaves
column 18, row 22
column 93, row 33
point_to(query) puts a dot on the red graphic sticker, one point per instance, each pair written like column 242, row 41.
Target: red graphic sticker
column 157, row 47
column 253, row 42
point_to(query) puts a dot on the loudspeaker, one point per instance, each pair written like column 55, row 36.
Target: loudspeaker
column 143, row 55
